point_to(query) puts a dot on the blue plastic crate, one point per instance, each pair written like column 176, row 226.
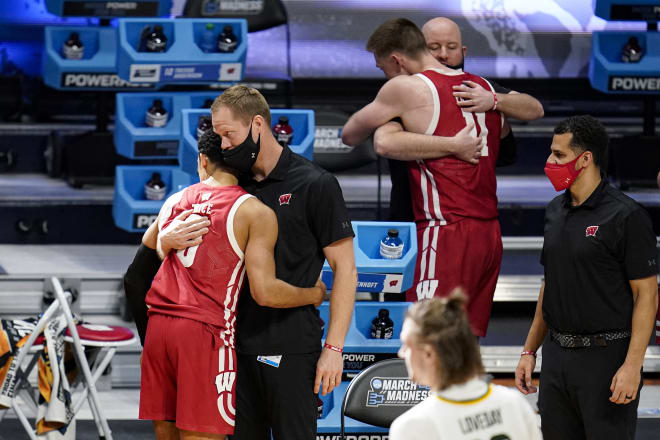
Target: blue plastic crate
column 183, row 61
column 188, row 145
column 627, row 10
column 376, row 274
column 97, row 70
column 609, row 74
column 135, row 140
column 131, row 210
column 109, row 9
column 303, row 124
column 360, row 350
column 358, row 338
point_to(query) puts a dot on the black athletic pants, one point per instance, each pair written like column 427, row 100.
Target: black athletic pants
column 575, row 390
column 281, row 399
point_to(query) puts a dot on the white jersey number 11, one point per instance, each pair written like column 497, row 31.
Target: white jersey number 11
column 480, row 122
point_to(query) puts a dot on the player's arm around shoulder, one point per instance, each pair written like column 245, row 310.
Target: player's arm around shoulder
column 258, row 230
column 180, row 232
column 520, row 106
column 388, row 104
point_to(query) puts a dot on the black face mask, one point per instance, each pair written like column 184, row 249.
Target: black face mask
column 457, row 66
column 243, row 156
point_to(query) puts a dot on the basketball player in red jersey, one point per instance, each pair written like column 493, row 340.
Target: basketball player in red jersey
column 454, row 201
column 189, row 362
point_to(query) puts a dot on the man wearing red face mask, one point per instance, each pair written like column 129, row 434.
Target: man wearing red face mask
column 597, row 305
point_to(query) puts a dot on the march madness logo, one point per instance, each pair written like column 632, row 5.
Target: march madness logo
column 591, row 231
column 395, row 391
column 285, row 199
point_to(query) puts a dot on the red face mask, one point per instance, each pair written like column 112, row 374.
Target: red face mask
column 562, row 176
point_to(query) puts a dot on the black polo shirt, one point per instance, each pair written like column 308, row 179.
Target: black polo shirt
column 311, row 215
column 590, row 252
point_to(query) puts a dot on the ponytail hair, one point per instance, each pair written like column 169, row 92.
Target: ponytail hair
column 443, row 324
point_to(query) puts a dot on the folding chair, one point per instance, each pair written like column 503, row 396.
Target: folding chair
column 107, row 338
column 361, row 401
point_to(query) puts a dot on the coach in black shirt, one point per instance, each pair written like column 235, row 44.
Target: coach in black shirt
column 599, row 298
column 281, row 364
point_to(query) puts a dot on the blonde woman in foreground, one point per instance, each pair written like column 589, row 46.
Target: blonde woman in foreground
column 441, row 352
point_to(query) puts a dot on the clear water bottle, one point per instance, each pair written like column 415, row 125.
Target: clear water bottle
column 227, row 40
column 282, row 131
column 208, row 42
column 155, row 189
column 391, row 246
column 203, row 125
column 382, row 327
column 632, row 51
column 73, row 48
column 156, row 115
column 156, row 41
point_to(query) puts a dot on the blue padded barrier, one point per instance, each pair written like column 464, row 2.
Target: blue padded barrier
column 109, row 9
column 609, row 74
column 135, row 140
column 131, row 211
column 183, row 62
column 376, row 274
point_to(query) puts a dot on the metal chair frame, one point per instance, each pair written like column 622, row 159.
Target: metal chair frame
column 88, row 378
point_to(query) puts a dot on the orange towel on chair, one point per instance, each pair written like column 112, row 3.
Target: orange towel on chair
column 13, row 335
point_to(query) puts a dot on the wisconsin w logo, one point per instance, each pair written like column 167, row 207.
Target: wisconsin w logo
column 591, row 231
column 285, row 199
column 426, row 289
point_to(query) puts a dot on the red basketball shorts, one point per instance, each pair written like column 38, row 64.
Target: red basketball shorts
column 466, row 254
column 188, row 376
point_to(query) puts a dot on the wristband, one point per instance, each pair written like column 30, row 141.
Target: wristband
column 530, row 353
column 333, row 348
column 494, row 101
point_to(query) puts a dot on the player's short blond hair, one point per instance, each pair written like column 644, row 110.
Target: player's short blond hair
column 244, row 102
column 397, row 35
column 443, row 324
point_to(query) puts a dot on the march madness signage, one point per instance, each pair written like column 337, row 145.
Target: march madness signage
column 395, row 391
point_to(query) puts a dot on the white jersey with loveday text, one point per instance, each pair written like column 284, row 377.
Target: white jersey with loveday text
column 474, row 410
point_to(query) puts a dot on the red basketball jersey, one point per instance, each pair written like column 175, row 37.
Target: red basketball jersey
column 203, row 282
column 447, row 189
